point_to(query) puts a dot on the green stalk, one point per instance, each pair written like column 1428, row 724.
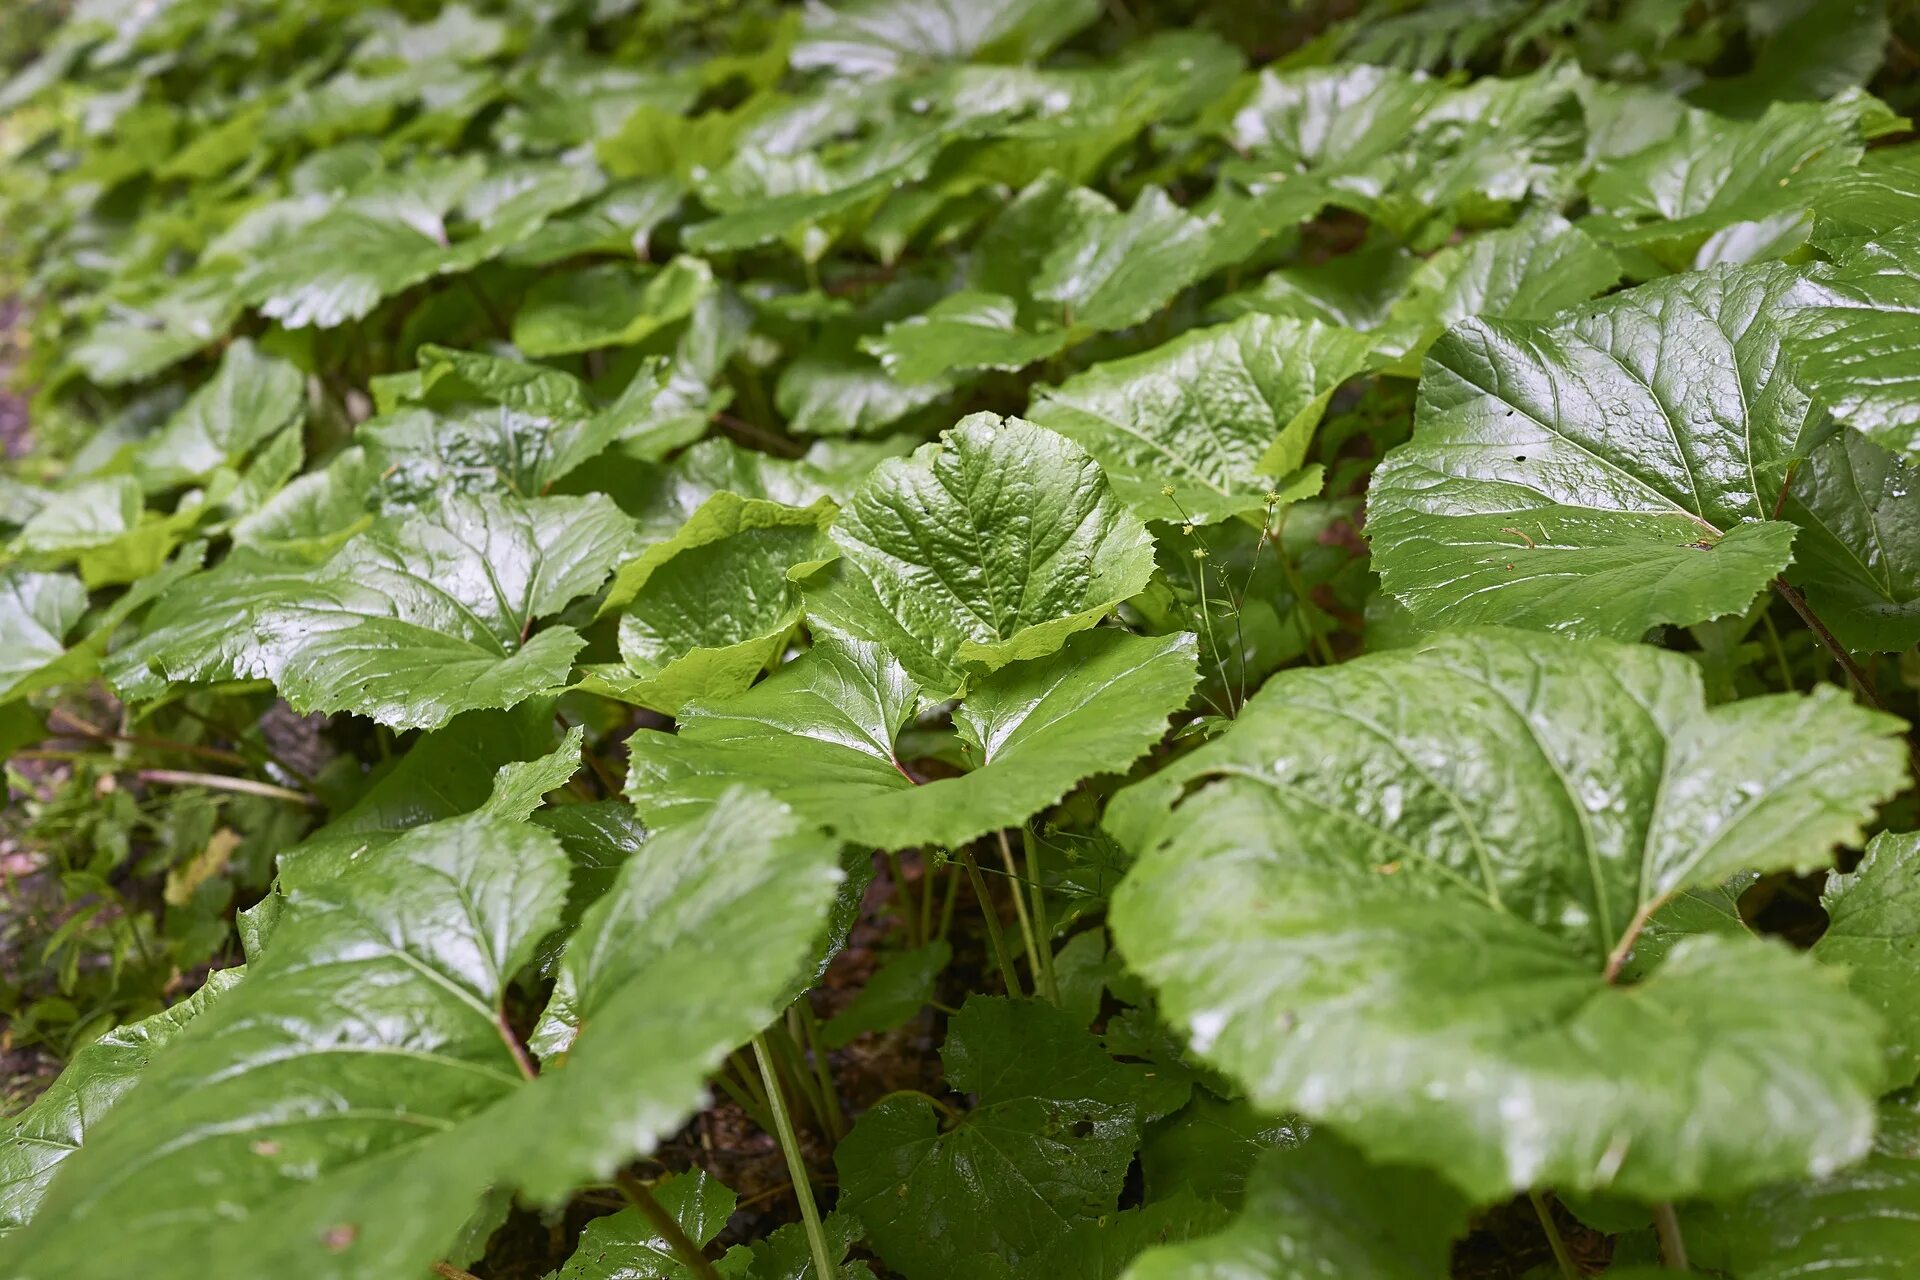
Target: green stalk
column 1034, row 962
column 1008, row 974
column 1031, row 844
column 1673, row 1248
column 799, row 1079
column 755, row 1112
column 1568, row 1269
column 796, row 1167
column 690, row 1255
column 801, row 1011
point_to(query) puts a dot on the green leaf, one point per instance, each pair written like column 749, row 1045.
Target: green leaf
column 822, row 734
column 1855, row 341
column 623, row 1246
column 703, row 612
column 1045, row 1148
column 1319, row 1209
column 1712, row 172
column 309, row 1120
column 37, row 611
column 1217, row 414
column 1103, row 1248
column 695, row 948
column 992, row 545
column 610, row 305
column 1858, row 1224
column 1858, row 552
column 1113, row 270
column 409, row 624
column 1525, row 272
column 42, row 1137
column 452, row 771
column 898, row 989
column 1873, row 932
column 249, row 399
column 1209, row 1147
column 619, row 222
column 1398, row 896
column 1604, row 473
column 1357, row 289
column 1880, row 196
column 965, row 330
column 477, row 422
column 396, row 233
column 888, row 37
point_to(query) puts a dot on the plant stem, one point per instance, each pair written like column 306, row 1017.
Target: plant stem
column 447, row 1271
column 86, row 730
column 801, row 1081
column 1839, row 651
column 1034, row 963
column 1779, row 652
column 1833, row 645
column 822, row 1069
column 1673, row 1249
column 1617, row 958
column 947, row 903
column 999, row 943
column 903, row 902
column 221, row 782
column 742, row 1099
column 690, row 1254
column 796, row 1167
column 1559, row 1246
column 1031, row 844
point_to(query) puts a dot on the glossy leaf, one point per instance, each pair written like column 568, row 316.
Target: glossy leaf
column 1604, row 473
column 59, row 1121
column 991, row 546
column 410, row 623
column 1045, row 1148
column 1872, row 913
column 1218, row 415
column 1858, row 349
column 1402, row 895
column 1857, row 555
column 822, row 734
column 1320, row 1209
column 886, row 37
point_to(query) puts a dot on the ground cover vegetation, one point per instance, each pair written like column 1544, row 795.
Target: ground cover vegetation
column 960, row 639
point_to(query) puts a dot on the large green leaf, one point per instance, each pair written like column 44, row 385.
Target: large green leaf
column 249, row 399
column 1528, row 271
column 822, row 734
column 703, row 612
column 398, row 232
column 1858, row 551
column 698, row 945
column 306, row 1120
column 1861, row 1223
column 1873, row 932
column 624, row 1246
column 343, row 1111
column 610, row 305
column 410, row 623
column 1857, row 345
column 1603, row 473
column 1712, row 172
column 886, row 37
column 41, row 1138
column 37, row 611
column 994, row 544
column 477, row 422
column 1319, row 1209
column 1219, row 415
column 1405, row 895
column 1045, row 1148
